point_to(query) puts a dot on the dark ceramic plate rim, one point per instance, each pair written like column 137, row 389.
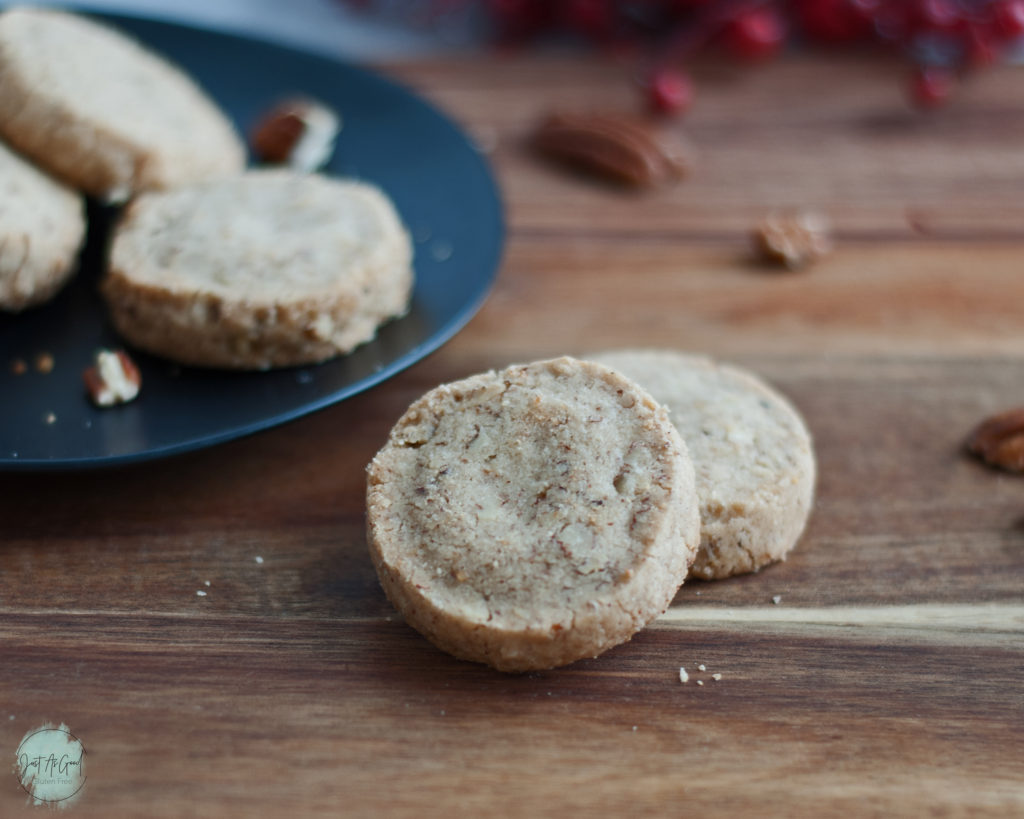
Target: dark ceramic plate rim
column 441, row 334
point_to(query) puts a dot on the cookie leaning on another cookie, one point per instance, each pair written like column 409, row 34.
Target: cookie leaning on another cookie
column 42, row 225
column 532, row 517
column 267, row 269
column 103, row 114
column 751, row 451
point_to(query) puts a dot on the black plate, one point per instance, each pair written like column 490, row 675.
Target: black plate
column 440, row 184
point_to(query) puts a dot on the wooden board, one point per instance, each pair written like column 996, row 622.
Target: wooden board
column 886, row 680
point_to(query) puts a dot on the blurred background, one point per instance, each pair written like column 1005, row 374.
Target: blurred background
column 327, row 26
column 939, row 43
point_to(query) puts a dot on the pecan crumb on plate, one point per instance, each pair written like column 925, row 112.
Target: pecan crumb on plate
column 44, row 363
column 113, row 378
column 299, row 133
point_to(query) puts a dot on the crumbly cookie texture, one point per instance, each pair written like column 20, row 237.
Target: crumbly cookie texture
column 531, row 517
column 102, row 113
column 42, row 226
column 267, row 269
column 751, row 451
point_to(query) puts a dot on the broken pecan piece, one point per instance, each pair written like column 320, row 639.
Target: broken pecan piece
column 299, row 133
column 794, row 239
column 999, row 440
column 113, row 379
column 615, row 147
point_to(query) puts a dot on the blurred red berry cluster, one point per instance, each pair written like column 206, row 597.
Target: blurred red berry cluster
column 941, row 39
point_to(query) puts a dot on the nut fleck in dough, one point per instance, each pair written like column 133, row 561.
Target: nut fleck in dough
column 531, row 517
column 268, row 269
column 42, row 225
column 751, row 451
column 99, row 111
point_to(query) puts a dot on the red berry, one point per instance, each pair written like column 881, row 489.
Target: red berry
column 937, row 15
column 595, row 18
column 836, row 21
column 893, row 22
column 756, row 34
column 979, row 46
column 518, row 20
column 670, row 91
column 1009, row 17
column 930, row 87
column 865, row 9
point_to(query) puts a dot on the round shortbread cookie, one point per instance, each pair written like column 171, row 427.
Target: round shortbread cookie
column 266, row 269
column 751, row 451
column 42, row 225
column 532, row 517
column 103, row 114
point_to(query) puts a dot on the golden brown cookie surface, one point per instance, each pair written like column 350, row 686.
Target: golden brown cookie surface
column 531, row 517
column 751, row 451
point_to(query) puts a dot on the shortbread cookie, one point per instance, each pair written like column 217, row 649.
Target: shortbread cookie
column 42, row 225
column 531, row 517
column 751, row 451
column 100, row 112
column 267, row 269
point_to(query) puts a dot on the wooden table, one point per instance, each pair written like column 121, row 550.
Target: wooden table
column 886, row 680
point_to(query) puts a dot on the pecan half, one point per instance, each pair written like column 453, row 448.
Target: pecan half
column 794, row 239
column 299, row 133
column 618, row 148
column 999, row 440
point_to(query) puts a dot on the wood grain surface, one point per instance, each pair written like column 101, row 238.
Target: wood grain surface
column 878, row 672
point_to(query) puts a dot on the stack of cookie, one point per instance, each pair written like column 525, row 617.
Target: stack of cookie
column 535, row 516
column 96, row 114
column 211, row 265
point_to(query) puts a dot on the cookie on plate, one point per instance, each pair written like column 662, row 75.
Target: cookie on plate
column 266, row 269
column 42, row 225
column 751, row 451
column 103, row 114
column 531, row 517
